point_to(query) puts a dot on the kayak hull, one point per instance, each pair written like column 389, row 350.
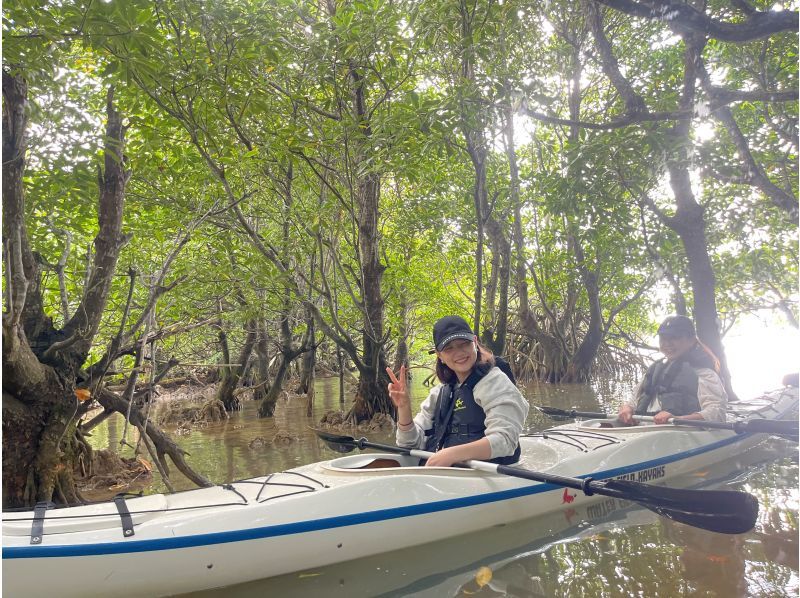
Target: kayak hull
column 334, row 511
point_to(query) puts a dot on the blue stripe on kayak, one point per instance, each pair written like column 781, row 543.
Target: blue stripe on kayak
column 23, row 552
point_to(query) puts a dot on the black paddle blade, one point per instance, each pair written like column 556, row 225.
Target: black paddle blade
column 552, row 411
column 338, row 442
column 787, row 429
column 571, row 414
column 722, row 511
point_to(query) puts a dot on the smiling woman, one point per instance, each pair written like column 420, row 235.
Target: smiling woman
column 684, row 384
column 476, row 413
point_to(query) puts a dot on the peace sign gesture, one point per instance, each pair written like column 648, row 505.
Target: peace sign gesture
column 398, row 388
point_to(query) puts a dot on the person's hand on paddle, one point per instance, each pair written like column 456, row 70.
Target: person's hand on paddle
column 443, row 458
column 662, row 417
column 477, row 449
column 625, row 415
column 398, row 393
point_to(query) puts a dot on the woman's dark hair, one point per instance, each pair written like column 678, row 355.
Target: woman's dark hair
column 484, row 363
column 707, row 350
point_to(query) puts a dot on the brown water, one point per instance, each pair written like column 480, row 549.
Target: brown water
column 610, row 549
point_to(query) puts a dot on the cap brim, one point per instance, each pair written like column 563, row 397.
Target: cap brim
column 676, row 333
column 453, row 337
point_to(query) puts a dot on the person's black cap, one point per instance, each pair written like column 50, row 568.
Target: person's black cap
column 449, row 328
column 677, row 326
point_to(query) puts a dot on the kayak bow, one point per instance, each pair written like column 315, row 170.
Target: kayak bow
column 786, row 428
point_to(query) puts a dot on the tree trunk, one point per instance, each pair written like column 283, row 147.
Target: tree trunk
column 232, row 374
column 496, row 331
column 476, row 148
column 42, row 365
column 308, row 363
column 689, row 220
column 261, row 381
column 579, row 364
column 579, row 367
column 267, row 406
column 372, row 395
column 401, row 354
column 289, row 351
column 340, row 360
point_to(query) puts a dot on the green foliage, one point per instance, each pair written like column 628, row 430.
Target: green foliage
column 252, row 104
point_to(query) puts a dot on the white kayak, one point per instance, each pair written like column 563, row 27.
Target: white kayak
column 338, row 510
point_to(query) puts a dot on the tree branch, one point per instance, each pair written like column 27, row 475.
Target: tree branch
column 754, row 173
column 164, row 444
column 683, row 18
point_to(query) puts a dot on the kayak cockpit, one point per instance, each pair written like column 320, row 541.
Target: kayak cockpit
column 535, row 451
column 616, row 427
column 369, row 461
column 377, row 464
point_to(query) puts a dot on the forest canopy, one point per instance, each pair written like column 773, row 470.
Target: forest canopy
column 275, row 184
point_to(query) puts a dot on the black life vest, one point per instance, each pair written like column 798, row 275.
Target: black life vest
column 458, row 419
column 674, row 383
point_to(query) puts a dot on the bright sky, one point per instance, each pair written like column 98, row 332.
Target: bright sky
column 759, row 354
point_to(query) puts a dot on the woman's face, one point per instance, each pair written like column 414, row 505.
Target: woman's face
column 460, row 356
column 674, row 346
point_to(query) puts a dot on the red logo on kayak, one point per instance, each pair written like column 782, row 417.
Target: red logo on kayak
column 567, row 498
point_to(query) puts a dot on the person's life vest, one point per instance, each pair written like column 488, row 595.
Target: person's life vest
column 459, row 419
column 674, row 383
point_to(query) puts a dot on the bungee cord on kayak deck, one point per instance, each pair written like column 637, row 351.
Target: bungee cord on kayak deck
column 572, row 438
column 268, row 481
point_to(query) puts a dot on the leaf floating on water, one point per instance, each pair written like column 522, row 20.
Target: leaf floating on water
column 483, row 576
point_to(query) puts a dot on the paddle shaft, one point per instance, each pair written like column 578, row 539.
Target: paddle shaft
column 753, row 426
column 615, row 488
column 725, row 511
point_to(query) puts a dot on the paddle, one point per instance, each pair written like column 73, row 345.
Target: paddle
column 785, row 428
column 724, row 511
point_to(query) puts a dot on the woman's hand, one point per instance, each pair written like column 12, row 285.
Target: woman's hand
column 398, row 388
column 443, row 458
column 625, row 415
column 662, row 417
column 398, row 393
column 477, row 449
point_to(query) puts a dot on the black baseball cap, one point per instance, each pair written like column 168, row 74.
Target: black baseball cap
column 449, row 328
column 677, row 326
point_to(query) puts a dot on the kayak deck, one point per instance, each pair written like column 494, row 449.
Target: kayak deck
column 336, row 510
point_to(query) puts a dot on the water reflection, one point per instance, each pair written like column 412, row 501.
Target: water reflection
column 607, row 549
column 242, row 447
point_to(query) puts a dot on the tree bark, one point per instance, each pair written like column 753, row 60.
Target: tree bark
column 372, row 395
column 308, row 363
column 401, row 354
column 232, row 375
